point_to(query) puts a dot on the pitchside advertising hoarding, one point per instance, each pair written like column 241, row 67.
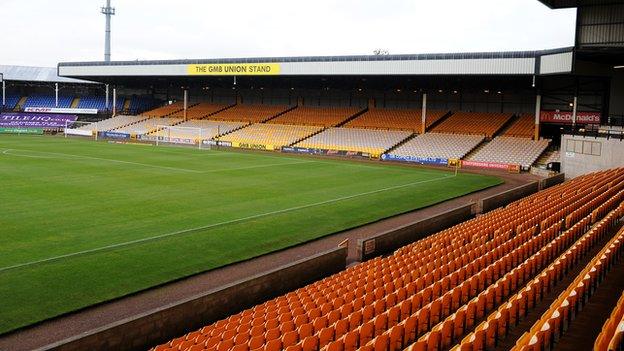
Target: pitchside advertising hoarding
column 18, row 130
column 305, row 150
column 35, row 120
column 565, row 117
column 422, row 160
column 115, row 135
column 492, row 165
column 84, row 111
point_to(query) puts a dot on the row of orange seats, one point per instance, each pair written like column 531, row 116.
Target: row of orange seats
column 456, row 324
column 249, row 113
column 562, row 312
column 316, row 116
column 402, row 119
column 366, row 301
column 164, row 111
column 199, row 110
column 496, row 326
column 479, row 123
column 523, row 127
column 611, row 337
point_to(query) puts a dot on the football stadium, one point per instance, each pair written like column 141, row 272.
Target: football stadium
column 424, row 202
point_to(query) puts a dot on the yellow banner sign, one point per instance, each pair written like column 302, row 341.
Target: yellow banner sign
column 234, row 69
column 253, row 146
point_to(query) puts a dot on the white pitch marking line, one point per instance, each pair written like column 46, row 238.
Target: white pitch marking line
column 210, row 226
column 6, row 152
column 257, row 166
column 100, row 159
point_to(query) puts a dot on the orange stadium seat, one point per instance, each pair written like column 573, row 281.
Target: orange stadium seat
column 249, row 113
column 523, row 127
column 456, row 288
column 316, row 116
column 164, row 111
column 198, row 110
column 399, row 119
column 610, row 337
column 478, row 123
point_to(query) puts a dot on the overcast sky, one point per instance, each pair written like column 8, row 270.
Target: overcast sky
column 44, row 32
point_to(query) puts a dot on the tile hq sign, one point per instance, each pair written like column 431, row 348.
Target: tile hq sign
column 35, row 120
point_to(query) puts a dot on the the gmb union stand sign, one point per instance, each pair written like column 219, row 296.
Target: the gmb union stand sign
column 33, row 123
column 234, row 69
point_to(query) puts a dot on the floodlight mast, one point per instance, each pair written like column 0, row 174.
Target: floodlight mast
column 108, row 11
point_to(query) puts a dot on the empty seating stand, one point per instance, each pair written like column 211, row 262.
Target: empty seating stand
column 11, row 101
column 37, row 100
column 459, row 288
column 113, row 123
column 611, row 337
column 316, row 116
column 511, row 150
column 249, row 113
column 401, row 119
column 164, row 110
column 199, row 110
column 544, row 334
column 478, row 123
column 370, row 141
column 138, row 104
column 272, row 136
column 209, row 128
column 148, row 125
column 523, row 127
column 451, row 146
column 92, row 102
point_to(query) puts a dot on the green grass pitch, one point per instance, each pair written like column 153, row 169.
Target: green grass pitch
column 83, row 222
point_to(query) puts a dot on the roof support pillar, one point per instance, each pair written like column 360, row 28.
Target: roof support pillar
column 423, row 117
column 3, row 93
column 185, row 102
column 56, row 91
column 114, row 101
column 574, row 105
column 371, row 103
column 107, row 98
column 538, row 109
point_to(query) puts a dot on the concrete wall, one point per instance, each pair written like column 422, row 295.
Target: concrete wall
column 391, row 240
column 581, row 155
column 168, row 322
column 551, row 181
column 501, row 199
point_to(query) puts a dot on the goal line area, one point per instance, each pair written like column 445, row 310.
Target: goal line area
column 166, row 134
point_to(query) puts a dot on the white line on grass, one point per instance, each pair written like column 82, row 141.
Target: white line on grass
column 6, row 152
column 257, row 166
column 210, row 226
